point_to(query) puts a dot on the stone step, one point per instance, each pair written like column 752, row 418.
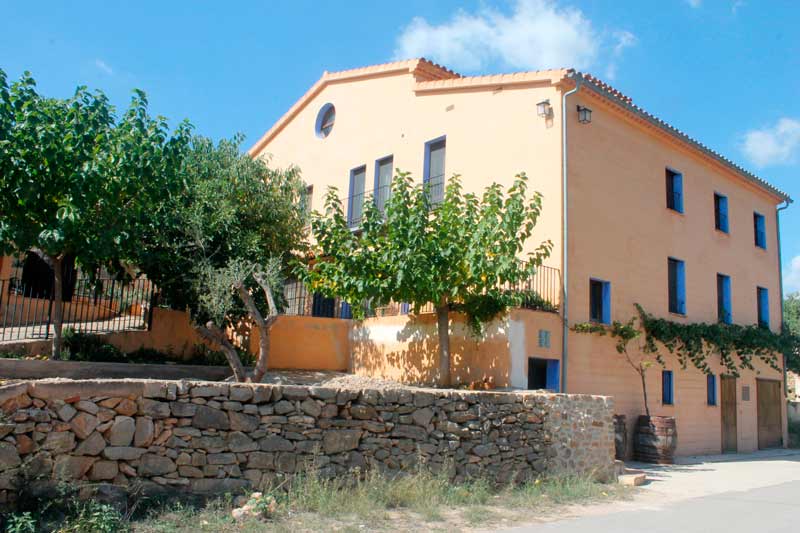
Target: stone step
column 632, row 480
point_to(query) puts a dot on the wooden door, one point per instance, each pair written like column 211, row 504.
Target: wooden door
column 768, row 396
column 727, row 396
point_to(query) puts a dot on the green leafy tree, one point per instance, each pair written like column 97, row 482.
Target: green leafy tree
column 76, row 181
column 457, row 255
column 791, row 325
column 218, row 247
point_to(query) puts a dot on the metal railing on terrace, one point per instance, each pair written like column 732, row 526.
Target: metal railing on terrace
column 100, row 305
column 542, row 291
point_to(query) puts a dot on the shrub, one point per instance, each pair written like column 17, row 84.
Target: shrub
column 85, row 347
column 21, row 523
column 94, row 517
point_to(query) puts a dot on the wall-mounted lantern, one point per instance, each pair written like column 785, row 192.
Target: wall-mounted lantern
column 544, row 109
column 584, row 114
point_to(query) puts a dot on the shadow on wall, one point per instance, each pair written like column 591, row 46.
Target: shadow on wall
column 406, row 349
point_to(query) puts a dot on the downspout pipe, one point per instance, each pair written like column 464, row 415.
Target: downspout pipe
column 565, row 234
column 786, row 204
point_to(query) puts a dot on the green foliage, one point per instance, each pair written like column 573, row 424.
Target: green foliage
column 73, row 178
column 21, row 523
column 791, row 327
column 697, row 342
column 232, row 216
column 94, row 517
column 85, row 347
column 456, row 253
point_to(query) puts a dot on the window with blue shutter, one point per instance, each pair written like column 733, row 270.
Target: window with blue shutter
column 724, row 313
column 433, row 170
column 676, row 285
column 553, row 375
column 721, row 212
column 711, row 389
column 383, row 181
column 346, row 311
column 667, row 387
column 759, row 231
column 762, row 295
column 674, row 190
column 404, row 308
column 600, row 301
column 355, row 200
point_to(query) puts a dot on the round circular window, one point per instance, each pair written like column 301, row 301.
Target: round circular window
column 325, row 119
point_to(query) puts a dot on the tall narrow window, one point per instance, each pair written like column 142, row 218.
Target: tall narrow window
column 383, row 181
column 677, row 286
column 721, row 212
column 433, row 174
column 600, row 301
column 355, row 202
column 674, row 191
column 762, row 295
column 711, row 389
column 759, row 231
column 667, row 388
column 724, row 299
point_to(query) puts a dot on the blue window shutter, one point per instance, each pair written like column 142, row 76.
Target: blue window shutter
column 681, row 286
column 726, row 299
column 666, row 387
column 350, row 196
column 553, row 375
column 723, row 216
column 711, row 381
column 346, row 312
column 606, row 302
column 404, row 307
column 763, row 306
column 677, row 191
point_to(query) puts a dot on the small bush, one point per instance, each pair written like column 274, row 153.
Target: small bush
column 85, row 347
column 94, row 517
column 21, row 523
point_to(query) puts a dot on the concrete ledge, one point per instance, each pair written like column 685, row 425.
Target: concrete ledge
column 31, row 369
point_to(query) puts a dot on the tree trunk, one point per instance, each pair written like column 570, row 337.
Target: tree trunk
column 263, row 326
column 644, row 390
column 442, row 322
column 212, row 334
column 58, row 307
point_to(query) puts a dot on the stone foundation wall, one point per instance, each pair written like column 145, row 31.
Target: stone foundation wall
column 207, row 437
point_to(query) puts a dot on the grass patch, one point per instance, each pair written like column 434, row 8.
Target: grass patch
column 419, row 501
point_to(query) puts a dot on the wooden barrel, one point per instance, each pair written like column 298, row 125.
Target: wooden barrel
column 655, row 440
column 620, row 437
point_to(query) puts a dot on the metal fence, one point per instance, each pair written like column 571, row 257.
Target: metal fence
column 101, row 305
column 542, row 292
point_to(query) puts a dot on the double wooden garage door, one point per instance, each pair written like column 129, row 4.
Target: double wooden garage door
column 768, row 398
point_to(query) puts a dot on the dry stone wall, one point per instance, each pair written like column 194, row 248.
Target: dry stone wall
column 210, row 437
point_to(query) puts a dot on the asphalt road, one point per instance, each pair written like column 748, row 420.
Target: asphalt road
column 734, row 494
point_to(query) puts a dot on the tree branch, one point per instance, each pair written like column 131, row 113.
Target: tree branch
column 216, row 337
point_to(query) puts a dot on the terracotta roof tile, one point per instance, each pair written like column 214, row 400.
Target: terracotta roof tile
column 627, row 102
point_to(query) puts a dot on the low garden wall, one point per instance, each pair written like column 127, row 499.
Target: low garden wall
column 209, row 438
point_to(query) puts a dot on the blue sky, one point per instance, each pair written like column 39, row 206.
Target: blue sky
column 727, row 72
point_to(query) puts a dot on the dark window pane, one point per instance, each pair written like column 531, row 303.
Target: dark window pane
column 596, row 300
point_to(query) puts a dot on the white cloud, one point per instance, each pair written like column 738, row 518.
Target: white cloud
column 624, row 39
column 791, row 276
column 537, row 34
column 102, row 65
column 773, row 145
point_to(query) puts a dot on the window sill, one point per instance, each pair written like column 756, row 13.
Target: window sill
column 676, row 212
column 680, row 315
column 722, row 232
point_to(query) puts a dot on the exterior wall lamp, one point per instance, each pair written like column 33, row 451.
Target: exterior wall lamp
column 584, row 114
column 544, row 109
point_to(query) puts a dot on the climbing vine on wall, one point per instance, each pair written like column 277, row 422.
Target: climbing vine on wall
column 697, row 342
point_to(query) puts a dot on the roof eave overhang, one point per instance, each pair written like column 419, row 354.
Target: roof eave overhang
column 627, row 105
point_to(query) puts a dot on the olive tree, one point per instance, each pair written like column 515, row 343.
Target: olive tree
column 218, row 248
column 75, row 180
column 458, row 254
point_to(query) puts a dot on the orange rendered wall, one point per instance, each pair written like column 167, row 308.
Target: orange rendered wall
column 406, row 348
column 621, row 231
column 307, row 343
column 492, row 135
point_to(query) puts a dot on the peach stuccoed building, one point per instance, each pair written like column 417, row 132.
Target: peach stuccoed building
column 706, row 250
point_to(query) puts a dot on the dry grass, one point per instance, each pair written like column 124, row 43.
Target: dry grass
column 415, row 502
